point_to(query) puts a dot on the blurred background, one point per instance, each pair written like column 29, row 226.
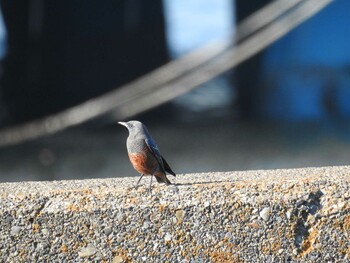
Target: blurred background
column 286, row 106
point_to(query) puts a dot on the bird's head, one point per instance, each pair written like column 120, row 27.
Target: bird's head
column 134, row 127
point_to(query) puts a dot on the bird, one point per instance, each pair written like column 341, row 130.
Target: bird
column 144, row 153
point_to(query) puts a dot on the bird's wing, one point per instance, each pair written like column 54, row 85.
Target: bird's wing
column 167, row 167
column 155, row 151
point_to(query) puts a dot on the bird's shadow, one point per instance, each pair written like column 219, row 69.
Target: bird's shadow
column 182, row 184
column 194, row 183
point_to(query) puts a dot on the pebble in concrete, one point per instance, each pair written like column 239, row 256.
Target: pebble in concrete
column 87, row 251
column 265, row 213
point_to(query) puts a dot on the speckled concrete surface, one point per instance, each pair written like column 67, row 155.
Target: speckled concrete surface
column 265, row 216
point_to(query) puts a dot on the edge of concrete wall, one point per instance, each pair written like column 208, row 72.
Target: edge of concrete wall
column 249, row 216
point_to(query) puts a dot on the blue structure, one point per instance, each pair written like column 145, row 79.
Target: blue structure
column 306, row 74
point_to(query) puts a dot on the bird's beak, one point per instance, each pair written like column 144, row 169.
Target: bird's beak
column 123, row 123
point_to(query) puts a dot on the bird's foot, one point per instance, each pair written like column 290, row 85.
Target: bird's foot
column 136, row 187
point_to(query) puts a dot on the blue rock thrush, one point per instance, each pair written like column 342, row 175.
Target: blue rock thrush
column 144, row 154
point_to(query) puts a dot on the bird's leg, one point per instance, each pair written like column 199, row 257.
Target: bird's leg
column 150, row 184
column 139, row 180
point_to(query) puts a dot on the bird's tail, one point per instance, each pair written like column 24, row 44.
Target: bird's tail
column 167, row 167
column 161, row 178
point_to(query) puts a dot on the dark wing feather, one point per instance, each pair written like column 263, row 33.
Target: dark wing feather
column 162, row 162
column 167, row 167
column 155, row 151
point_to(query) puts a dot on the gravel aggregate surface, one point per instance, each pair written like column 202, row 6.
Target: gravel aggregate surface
column 294, row 215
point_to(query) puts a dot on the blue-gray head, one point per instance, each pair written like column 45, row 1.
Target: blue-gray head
column 136, row 129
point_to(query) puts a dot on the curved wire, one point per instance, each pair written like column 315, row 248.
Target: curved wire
column 179, row 76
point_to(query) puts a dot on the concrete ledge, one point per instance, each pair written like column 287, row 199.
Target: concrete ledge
column 277, row 215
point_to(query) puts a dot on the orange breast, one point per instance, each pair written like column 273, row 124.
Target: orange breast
column 142, row 164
